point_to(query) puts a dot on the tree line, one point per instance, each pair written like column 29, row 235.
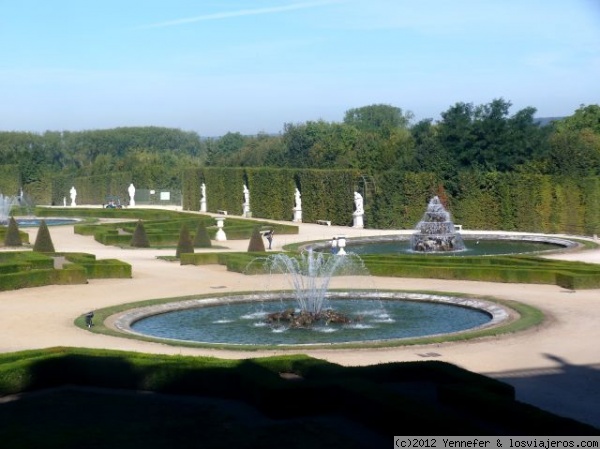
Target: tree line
column 370, row 139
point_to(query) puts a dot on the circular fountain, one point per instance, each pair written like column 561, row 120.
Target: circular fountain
column 437, row 234
column 310, row 313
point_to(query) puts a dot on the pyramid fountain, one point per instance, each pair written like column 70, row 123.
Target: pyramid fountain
column 436, row 232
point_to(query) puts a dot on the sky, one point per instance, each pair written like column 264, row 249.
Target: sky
column 251, row 66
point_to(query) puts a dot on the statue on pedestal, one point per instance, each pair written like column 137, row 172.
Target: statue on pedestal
column 297, row 206
column 246, row 203
column 131, row 191
column 73, row 194
column 203, row 198
column 359, row 212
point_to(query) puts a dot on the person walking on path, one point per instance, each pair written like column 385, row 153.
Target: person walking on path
column 269, row 236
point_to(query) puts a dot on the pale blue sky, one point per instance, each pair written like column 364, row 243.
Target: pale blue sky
column 251, row 66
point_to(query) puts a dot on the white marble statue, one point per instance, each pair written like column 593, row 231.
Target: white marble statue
column 358, row 214
column 297, row 207
column 131, row 190
column 298, row 199
column 246, row 195
column 358, row 203
column 73, row 194
column 203, row 197
column 246, row 204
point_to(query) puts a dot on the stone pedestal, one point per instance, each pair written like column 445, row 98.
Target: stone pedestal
column 297, row 215
column 203, row 205
column 357, row 221
column 246, row 210
column 220, row 237
column 341, row 244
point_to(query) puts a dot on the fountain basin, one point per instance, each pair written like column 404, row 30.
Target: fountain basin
column 31, row 222
column 239, row 319
column 475, row 245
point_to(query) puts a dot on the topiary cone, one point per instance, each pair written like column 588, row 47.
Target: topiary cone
column 12, row 237
column 43, row 241
column 256, row 242
column 202, row 239
column 139, row 238
column 185, row 244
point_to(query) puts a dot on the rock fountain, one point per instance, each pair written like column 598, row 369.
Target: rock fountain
column 309, row 276
column 436, row 231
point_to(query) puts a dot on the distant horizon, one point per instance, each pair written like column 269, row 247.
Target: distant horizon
column 250, row 67
column 542, row 120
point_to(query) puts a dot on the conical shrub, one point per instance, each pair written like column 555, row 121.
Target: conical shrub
column 256, row 242
column 202, row 239
column 139, row 238
column 12, row 237
column 185, row 244
column 43, row 241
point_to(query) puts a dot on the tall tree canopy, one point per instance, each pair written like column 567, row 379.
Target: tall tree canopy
column 377, row 118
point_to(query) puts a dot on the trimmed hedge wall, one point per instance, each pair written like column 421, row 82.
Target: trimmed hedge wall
column 373, row 396
column 10, row 180
column 165, row 231
column 326, row 194
column 24, row 269
column 397, row 200
column 91, row 189
column 100, row 269
column 510, row 269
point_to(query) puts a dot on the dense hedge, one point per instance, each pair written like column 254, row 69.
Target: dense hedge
column 378, row 397
column 10, row 180
column 23, row 269
column 100, row 269
column 326, row 194
column 481, row 200
column 165, row 229
column 91, row 189
column 510, row 269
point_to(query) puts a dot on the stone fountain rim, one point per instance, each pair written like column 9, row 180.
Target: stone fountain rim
column 563, row 242
column 499, row 313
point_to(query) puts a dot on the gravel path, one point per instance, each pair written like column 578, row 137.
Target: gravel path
column 555, row 367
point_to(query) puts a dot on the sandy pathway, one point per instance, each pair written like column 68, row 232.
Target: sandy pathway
column 556, row 367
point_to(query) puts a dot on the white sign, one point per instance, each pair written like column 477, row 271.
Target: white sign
column 165, row 196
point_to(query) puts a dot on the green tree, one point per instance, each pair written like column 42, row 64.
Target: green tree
column 575, row 144
column 430, row 154
column 378, row 118
column 487, row 138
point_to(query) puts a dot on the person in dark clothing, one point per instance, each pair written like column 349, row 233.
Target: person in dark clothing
column 269, row 236
column 89, row 319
